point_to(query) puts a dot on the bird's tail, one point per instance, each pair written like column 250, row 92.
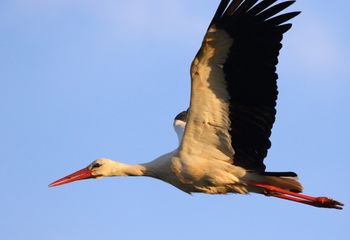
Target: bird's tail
column 285, row 180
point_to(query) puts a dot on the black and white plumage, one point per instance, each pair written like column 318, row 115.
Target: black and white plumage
column 224, row 135
column 245, row 43
column 179, row 124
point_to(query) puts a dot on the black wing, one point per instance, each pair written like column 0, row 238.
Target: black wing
column 257, row 30
column 233, row 87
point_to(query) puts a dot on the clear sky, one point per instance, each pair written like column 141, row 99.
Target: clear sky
column 83, row 79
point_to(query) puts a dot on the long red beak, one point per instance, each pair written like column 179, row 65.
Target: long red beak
column 78, row 175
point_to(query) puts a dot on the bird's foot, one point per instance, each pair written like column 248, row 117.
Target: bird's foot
column 323, row 202
column 326, row 202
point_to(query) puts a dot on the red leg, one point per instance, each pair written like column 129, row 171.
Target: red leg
column 323, row 202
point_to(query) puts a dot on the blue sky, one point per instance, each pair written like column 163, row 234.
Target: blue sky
column 87, row 79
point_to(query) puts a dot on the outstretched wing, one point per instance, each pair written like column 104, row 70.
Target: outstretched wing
column 234, row 90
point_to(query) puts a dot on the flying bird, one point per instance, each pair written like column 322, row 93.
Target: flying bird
column 224, row 134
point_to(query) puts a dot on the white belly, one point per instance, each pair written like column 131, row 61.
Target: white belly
column 214, row 177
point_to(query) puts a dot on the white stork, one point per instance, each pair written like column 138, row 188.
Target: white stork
column 224, row 135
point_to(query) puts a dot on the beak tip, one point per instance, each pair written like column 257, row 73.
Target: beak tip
column 78, row 175
column 53, row 184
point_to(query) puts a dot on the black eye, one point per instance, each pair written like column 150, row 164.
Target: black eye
column 96, row 165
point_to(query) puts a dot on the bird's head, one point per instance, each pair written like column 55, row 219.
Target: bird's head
column 97, row 169
column 102, row 167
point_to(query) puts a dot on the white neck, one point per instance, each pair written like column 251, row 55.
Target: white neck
column 122, row 169
column 155, row 168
